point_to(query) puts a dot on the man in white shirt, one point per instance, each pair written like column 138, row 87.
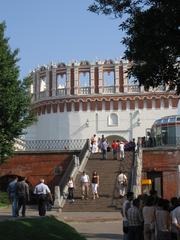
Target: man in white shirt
column 85, row 182
column 121, row 184
column 42, row 192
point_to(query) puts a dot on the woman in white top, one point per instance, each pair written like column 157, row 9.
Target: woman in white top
column 70, row 185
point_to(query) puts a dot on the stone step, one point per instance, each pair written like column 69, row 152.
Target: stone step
column 107, row 171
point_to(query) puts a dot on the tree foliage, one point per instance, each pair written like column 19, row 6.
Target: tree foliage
column 152, row 38
column 15, row 99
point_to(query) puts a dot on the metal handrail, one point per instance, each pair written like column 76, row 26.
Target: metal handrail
column 71, row 167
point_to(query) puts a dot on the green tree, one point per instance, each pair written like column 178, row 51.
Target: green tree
column 15, row 98
column 152, row 38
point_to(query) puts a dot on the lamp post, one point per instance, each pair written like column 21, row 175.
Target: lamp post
column 178, row 181
column 134, row 122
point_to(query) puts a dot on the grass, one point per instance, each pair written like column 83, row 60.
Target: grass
column 4, row 201
column 46, row 228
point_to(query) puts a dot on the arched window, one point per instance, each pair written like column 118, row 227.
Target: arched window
column 42, row 84
column 61, row 81
column 109, row 78
column 113, row 119
column 84, row 79
column 84, row 82
column 61, row 84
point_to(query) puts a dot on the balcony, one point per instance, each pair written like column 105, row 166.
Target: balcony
column 61, row 92
column 85, row 90
column 109, row 89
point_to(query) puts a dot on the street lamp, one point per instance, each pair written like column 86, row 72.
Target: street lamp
column 134, row 122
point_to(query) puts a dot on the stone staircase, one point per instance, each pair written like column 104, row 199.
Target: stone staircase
column 107, row 171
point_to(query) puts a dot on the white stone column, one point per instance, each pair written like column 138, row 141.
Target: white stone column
column 47, row 82
column 125, row 77
column 101, row 84
column 57, row 197
column 37, row 85
column 76, row 80
column 116, row 80
column 68, row 80
column 54, row 81
column 33, row 75
column 92, row 79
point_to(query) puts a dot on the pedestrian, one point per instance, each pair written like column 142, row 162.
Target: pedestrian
column 135, row 221
column 12, row 195
column 94, row 143
column 42, row 192
column 114, row 146
column 121, row 149
column 126, row 205
column 163, row 220
column 148, row 212
column 70, row 185
column 22, row 191
column 104, row 146
column 85, row 182
column 121, row 184
column 95, row 184
column 175, row 216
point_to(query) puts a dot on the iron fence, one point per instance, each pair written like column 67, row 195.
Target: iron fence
column 52, row 145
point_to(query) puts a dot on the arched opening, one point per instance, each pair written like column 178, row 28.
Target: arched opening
column 110, row 138
column 5, row 180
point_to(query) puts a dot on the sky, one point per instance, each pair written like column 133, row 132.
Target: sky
column 56, row 31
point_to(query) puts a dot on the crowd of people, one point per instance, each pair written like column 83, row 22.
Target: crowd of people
column 149, row 217
column 118, row 147
column 18, row 192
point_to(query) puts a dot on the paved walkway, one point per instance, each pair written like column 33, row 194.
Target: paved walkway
column 93, row 225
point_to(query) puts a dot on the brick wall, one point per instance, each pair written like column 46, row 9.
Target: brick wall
column 37, row 165
column 166, row 162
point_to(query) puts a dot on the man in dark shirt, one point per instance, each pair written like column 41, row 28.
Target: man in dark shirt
column 22, row 191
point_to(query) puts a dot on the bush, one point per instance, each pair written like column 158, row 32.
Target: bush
column 4, row 200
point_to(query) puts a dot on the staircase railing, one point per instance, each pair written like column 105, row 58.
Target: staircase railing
column 74, row 163
column 137, row 173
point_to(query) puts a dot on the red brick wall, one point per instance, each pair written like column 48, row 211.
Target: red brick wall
column 165, row 161
column 36, row 166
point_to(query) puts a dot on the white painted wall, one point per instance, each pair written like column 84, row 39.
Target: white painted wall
column 72, row 125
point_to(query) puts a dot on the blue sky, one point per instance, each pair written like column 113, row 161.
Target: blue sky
column 59, row 31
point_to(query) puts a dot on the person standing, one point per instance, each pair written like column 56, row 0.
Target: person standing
column 85, row 181
column 121, row 184
column 175, row 216
column 114, row 146
column 94, row 143
column 42, row 191
column 12, row 195
column 148, row 212
column 135, row 221
column 95, row 184
column 104, row 146
column 70, row 185
column 22, row 191
column 121, row 148
column 126, row 205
